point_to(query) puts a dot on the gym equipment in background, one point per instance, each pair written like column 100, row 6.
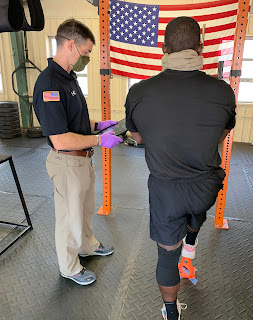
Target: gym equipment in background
column 32, row 131
column 9, row 120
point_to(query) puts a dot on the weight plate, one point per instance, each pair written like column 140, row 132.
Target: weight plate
column 10, row 136
column 9, row 113
column 8, row 109
column 10, row 131
column 8, row 104
column 7, row 122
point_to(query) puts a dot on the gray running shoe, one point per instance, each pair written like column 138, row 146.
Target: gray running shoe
column 101, row 251
column 84, row 277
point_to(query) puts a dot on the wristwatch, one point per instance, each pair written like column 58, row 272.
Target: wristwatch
column 97, row 140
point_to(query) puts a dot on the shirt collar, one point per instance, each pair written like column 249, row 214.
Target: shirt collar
column 53, row 65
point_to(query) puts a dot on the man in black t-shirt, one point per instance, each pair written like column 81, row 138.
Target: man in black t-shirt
column 62, row 112
column 181, row 115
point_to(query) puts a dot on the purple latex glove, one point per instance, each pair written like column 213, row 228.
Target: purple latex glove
column 105, row 124
column 109, row 140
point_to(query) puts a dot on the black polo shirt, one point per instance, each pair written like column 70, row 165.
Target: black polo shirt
column 59, row 103
column 181, row 116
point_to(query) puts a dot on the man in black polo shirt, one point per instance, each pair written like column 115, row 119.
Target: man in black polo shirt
column 181, row 115
column 62, row 112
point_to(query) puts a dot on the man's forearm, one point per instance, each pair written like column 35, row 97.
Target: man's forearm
column 92, row 124
column 73, row 141
column 137, row 137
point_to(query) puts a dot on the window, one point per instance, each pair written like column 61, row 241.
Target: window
column 246, row 83
column 132, row 81
column 82, row 76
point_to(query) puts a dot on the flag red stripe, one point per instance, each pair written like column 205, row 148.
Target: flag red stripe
column 211, row 41
column 136, row 65
column 137, row 54
column 159, row 56
column 142, row 77
column 205, row 17
column 226, row 75
column 196, row 6
column 210, row 29
column 222, row 52
column 128, row 74
column 215, row 65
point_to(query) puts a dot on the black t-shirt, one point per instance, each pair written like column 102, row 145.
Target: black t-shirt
column 59, row 103
column 181, row 116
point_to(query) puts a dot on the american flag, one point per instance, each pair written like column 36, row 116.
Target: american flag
column 137, row 33
column 51, row 96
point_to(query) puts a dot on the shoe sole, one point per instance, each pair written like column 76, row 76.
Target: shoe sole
column 96, row 254
column 81, row 283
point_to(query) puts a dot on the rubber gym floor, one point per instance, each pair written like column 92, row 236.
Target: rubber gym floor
column 31, row 287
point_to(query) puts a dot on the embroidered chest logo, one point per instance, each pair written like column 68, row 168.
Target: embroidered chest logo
column 73, row 93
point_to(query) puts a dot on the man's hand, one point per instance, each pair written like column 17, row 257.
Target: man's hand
column 137, row 137
column 105, row 124
column 109, row 140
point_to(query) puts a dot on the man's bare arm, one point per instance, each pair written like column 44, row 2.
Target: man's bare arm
column 92, row 124
column 224, row 134
column 73, row 141
column 137, row 137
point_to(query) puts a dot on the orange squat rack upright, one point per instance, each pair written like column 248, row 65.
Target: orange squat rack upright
column 241, row 27
column 104, row 13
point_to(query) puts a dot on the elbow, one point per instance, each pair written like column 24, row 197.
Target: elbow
column 56, row 142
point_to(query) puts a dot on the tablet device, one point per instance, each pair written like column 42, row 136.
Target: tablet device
column 119, row 128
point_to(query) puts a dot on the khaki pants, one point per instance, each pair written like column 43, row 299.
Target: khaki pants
column 74, row 197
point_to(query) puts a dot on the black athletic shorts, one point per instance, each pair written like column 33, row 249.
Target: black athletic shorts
column 174, row 204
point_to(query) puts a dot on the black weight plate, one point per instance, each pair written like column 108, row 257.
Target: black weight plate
column 10, row 117
column 9, row 109
column 9, row 122
column 8, row 104
column 10, row 136
column 35, row 130
column 10, row 131
column 9, row 126
column 9, row 113
column 12, row 111
column 34, row 135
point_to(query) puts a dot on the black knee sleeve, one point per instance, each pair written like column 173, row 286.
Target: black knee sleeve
column 167, row 273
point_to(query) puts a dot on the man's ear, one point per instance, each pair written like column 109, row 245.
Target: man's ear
column 164, row 48
column 200, row 49
column 70, row 44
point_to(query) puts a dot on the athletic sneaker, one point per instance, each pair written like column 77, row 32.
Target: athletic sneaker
column 101, row 251
column 84, row 277
column 180, row 306
column 188, row 250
